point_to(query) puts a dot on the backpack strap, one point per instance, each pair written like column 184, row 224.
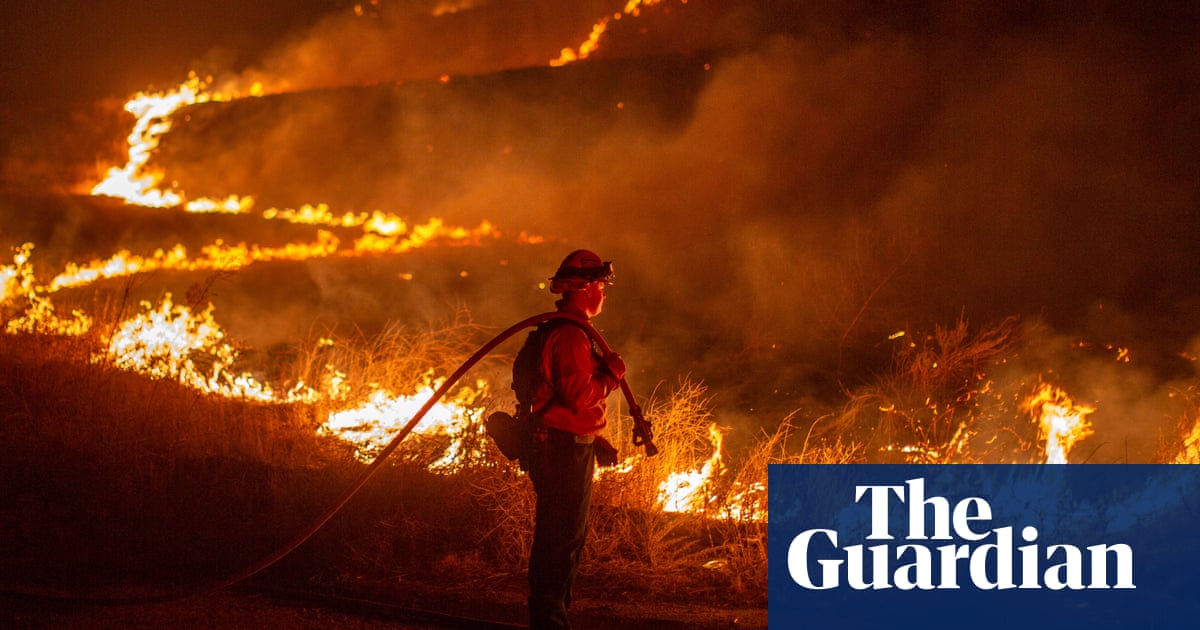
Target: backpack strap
column 527, row 373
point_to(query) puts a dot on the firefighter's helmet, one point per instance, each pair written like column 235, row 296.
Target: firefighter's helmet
column 578, row 269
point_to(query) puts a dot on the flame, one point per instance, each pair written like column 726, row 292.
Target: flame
column 216, row 256
column 389, row 235
column 135, row 182
column 749, row 503
column 1190, row 453
column 1189, row 450
column 1061, row 423
column 138, row 184
column 171, row 341
column 686, row 491
column 8, row 282
column 233, row 204
column 319, row 214
column 693, row 492
column 17, row 278
column 168, row 340
column 632, row 8
column 403, row 239
column 39, row 315
column 372, row 424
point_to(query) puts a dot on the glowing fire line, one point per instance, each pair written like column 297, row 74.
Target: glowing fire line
column 693, row 491
column 632, row 8
column 134, row 182
column 165, row 340
column 225, row 257
column 170, row 341
column 684, row 491
column 373, row 423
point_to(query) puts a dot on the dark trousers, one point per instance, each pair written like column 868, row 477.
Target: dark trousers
column 562, row 477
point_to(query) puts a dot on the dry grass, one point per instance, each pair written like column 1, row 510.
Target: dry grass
column 104, row 412
column 172, row 454
column 1184, row 447
column 177, row 474
column 926, row 407
column 633, row 544
column 397, row 359
column 111, row 476
column 181, row 452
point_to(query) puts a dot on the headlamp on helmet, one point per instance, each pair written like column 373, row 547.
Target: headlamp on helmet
column 579, row 269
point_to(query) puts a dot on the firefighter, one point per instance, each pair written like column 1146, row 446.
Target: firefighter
column 568, row 408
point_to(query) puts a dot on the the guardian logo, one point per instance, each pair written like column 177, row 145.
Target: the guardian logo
column 948, row 547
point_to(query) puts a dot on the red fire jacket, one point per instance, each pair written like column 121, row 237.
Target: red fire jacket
column 572, row 397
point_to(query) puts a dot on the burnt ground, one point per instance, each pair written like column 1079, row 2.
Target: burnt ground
column 63, row 553
column 250, row 607
column 219, row 610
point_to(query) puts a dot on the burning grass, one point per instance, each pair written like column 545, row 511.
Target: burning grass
column 1189, row 430
column 925, row 408
column 122, row 474
column 182, row 483
column 145, row 446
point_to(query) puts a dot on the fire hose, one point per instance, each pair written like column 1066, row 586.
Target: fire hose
column 642, row 436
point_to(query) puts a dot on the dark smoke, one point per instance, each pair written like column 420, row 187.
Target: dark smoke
column 396, row 41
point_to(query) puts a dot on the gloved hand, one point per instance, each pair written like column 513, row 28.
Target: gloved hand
column 615, row 365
